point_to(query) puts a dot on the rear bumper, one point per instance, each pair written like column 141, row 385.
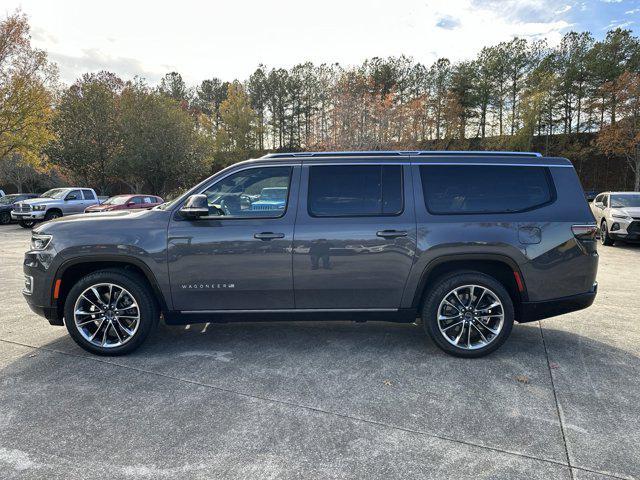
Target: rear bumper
column 532, row 311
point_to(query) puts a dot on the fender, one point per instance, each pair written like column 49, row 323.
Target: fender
column 89, row 259
column 496, row 257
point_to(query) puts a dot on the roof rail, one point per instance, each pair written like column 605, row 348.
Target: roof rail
column 390, row 153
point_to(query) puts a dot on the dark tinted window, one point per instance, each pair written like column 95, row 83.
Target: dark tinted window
column 605, row 200
column 353, row 190
column 88, row 195
column 484, row 188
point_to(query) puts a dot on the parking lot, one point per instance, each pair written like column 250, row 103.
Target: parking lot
column 561, row 399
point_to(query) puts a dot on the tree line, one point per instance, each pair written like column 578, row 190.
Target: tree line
column 115, row 133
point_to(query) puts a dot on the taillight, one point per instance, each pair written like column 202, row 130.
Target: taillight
column 584, row 232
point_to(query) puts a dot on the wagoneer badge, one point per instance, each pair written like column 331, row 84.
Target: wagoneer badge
column 207, row 286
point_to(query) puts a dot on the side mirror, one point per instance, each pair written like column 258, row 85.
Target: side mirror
column 195, row 207
column 130, row 204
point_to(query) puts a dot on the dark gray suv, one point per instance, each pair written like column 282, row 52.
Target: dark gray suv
column 466, row 241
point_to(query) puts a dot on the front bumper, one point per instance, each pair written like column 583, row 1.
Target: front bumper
column 532, row 311
column 50, row 313
column 33, row 215
column 39, row 296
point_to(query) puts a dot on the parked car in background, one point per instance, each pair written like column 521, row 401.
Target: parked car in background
column 618, row 216
column 590, row 194
column 8, row 201
column 126, row 202
column 468, row 241
column 53, row 204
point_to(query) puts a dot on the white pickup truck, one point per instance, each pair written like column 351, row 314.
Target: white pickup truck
column 53, row 204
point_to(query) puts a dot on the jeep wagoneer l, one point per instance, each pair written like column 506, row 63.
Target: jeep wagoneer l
column 468, row 242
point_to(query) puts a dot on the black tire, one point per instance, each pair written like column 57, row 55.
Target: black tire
column 137, row 286
column 5, row 218
column 605, row 238
column 440, row 290
column 27, row 223
column 52, row 215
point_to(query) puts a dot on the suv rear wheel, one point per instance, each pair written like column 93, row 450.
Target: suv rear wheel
column 110, row 312
column 468, row 314
column 605, row 238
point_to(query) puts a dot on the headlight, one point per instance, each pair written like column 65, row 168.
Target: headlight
column 38, row 207
column 39, row 241
column 620, row 215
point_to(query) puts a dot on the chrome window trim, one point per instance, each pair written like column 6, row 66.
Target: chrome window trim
column 251, row 167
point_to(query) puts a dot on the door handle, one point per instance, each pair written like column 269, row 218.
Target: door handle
column 268, row 235
column 391, row 233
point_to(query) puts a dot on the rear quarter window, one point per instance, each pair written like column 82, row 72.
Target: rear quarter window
column 469, row 189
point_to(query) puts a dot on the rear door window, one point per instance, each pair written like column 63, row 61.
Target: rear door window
column 468, row 189
column 88, row 195
column 355, row 190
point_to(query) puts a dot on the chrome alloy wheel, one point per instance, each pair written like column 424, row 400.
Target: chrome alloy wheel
column 106, row 315
column 470, row 317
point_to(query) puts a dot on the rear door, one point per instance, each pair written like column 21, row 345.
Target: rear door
column 354, row 239
column 89, row 198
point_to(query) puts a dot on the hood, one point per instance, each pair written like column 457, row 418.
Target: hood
column 40, row 201
column 100, row 208
column 117, row 219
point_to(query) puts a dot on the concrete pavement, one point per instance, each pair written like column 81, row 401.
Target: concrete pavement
column 561, row 399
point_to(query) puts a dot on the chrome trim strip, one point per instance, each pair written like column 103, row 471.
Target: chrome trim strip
column 296, row 310
column 382, row 162
column 496, row 164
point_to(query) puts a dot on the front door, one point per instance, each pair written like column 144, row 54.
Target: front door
column 73, row 202
column 239, row 256
column 355, row 236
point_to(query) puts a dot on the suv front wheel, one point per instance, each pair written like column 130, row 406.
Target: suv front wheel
column 606, row 239
column 27, row 223
column 468, row 314
column 110, row 312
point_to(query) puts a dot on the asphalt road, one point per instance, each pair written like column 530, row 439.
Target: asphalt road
column 561, row 399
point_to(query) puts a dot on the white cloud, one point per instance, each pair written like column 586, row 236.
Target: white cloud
column 230, row 38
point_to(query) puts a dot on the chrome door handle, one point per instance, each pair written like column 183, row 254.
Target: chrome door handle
column 268, row 235
column 391, row 233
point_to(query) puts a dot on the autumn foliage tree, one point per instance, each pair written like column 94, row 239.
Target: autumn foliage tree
column 622, row 137
column 26, row 82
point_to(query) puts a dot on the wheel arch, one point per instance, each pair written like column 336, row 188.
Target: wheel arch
column 55, row 209
column 72, row 270
column 501, row 267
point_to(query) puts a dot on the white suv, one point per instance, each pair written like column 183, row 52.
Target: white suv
column 618, row 216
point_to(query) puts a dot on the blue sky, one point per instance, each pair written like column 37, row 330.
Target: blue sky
column 230, row 38
column 601, row 15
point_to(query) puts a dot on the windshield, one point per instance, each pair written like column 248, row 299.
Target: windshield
column 625, row 201
column 54, row 193
column 8, row 199
column 119, row 200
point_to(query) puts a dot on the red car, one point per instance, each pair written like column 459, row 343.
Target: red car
column 126, row 202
